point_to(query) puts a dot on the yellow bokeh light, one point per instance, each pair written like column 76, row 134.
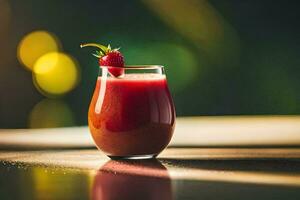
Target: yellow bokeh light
column 34, row 45
column 50, row 113
column 44, row 181
column 55, row 74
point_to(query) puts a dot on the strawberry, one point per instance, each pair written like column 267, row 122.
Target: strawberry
column 112, row 58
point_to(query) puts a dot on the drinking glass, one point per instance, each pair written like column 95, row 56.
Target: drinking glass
column 131, row 116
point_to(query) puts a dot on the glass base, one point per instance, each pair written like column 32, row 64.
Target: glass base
column 134, row 157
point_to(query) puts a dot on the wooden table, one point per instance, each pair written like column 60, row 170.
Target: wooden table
column 182, row 171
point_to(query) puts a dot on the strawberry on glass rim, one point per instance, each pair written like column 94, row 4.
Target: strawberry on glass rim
column 131, row 113
column 112, row 58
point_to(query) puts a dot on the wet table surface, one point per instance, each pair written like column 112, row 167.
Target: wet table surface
column 178, row 173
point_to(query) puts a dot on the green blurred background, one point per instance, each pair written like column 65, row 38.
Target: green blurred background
column 222, row 57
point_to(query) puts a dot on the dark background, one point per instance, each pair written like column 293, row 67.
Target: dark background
column 222, row 57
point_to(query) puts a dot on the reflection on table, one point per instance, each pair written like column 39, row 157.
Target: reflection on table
column 179, row 173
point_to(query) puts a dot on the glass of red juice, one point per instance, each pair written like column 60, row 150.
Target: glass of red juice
column 132, row 116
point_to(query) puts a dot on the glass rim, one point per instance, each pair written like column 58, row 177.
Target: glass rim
column 137, row 67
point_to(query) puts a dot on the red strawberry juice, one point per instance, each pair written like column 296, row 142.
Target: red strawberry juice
column 132, row 116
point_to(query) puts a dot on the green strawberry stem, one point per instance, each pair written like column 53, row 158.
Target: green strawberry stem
column 103, row 49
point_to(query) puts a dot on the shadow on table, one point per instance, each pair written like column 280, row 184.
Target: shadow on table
column 257, row 165
column 234, row 179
